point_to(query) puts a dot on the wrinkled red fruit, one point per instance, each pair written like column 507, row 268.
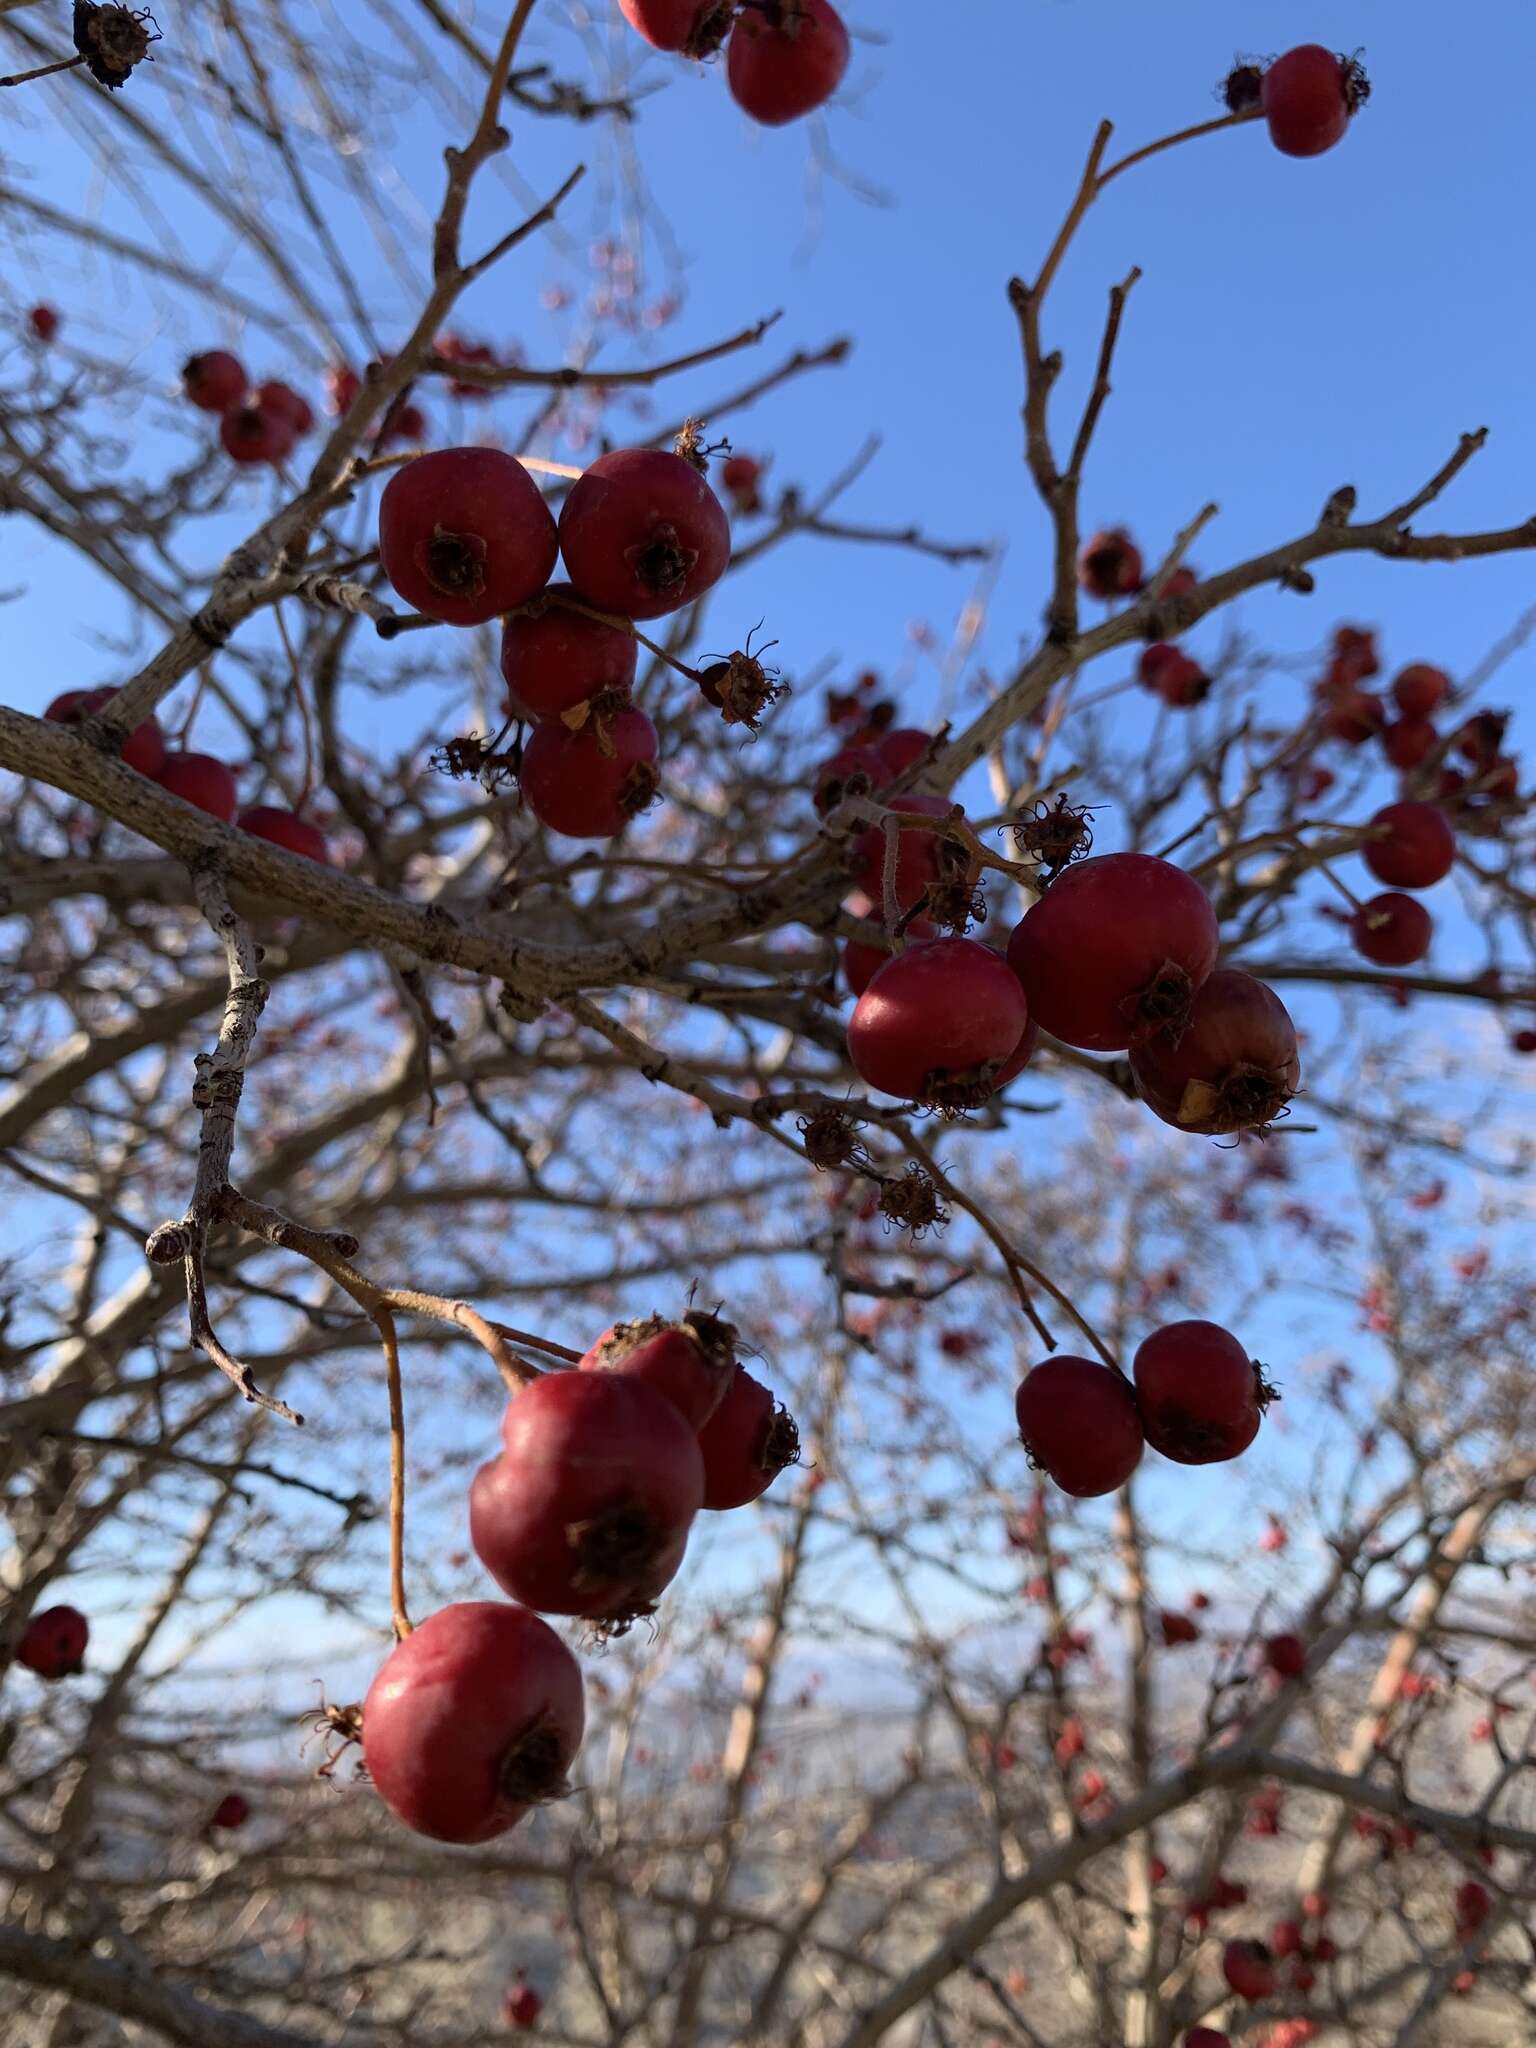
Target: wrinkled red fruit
column 1308, row 96
column 1078, row 1422
column 852, row 771
column 285, row 829
column 1201, row 1396
column 215, row 380
column 1409, row 742
column 1419, row 848
column 144, row 748
column 1419, row 690
column 232, row 1811
column 464, row 534
column 697, row 27
column 554, row 659
column 1355, row 716
column 1235, row 1067
column 1110, row 565
column 690, row 1361
column 1392, row 930
column 1114, row 951
column 589, row 784
column 785, row 58
column 862, row 962
column 642, row 533
column 937, row 1022
column 287, row 404
column 200, row 780
column 588, row 1509
column 521, row 2005
column 926, row 862
column 1248, row 1969
column 746, row 1444
column 255, row 433
column 53, row 1643
column 1285, row 1655
column 473, row 1719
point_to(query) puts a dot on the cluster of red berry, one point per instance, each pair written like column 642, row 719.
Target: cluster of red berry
column 478, row 1714
column 260, row 425
column 783, row 58
column 465, row 536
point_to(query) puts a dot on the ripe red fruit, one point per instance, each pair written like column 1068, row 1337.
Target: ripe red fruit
column 1173, row 675
column 1419, row 690
column 1308, row 96
column 471, row 1720
column 521, row 2005
column 926, row 862
column 287, row 404
column 1177, row 1628
column 255, row 433
column 464, row 534
column 1409, row 742
column 1235, row 1067
column 1473, row 1905
column 1354, row 654
column 200, row 780
column 1285, row 1938
column 1392, row 930
column 53, row 1643
column 785, row 58
column 44, row 322
column 1419, row 848
column 1524, row 1040
column 1019, row 1058
column 642, row 533
column 232, row 1811
column 144, row 748
column 285, row 829
column 742, row 477
column 901, row 747
column 746, row 1444
column 588, row 1509
column 1355, row 716
column 1115, row 950
column 852, row 771
column 1110, row 565
column 1078, row 1422
column 691, row 1361
column 555, row 658
column 937, row 1022
column 697, row 27
column 215, row 380
column 1316, row 1905
column 1285, row 1655
column 1201, row 1396
column 341, row 386
column 453, row 350
column 589, row 784
column 1247, row 1967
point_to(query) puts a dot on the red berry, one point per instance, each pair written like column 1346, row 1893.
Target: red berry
column 44, row 322
column 200, row 780
column 1235, row 1067
column 1115, row 950
column 1325, row 1950
column 1019, row 1058
column 232, row 1811
column 464, row 534
column 255, row 433
column 1286, row 1656
column 1524, row 1040
column 1285, row 1938
column 286, row 403
column 861, row 962
column 341, row 386
column 696, row 27
column 1173, row 675
column 691, row 1362
column 1247, row 1967
column 900, row 748
column 742, row 476
column 1355, row 716
column 1201, row 1396
column 1419, row 690
column 1183, row 580
column 1078, row 1422
column 937, row 1022
column 408, row 424
column 642, row 533
column 1110, row 565
column 1480, row 739
column 746, row 1444
column 215, row 380
column 1308, row 96
column 1409, row 742
column 521, row 2006
column 929, row 863
column 785, row 58
column 453, row 350
column 1206, row 2037
column 589, row 784
column 144, row 748
column 53, row 1643
column 69, row 708
column 555, row 658
column 588, row 1509
column 1316, row 1905
column 852, row 771
column 285, row 829
column 1177, row 1628
column 471, row 1720
column 1473, row 1905
column 1392, row 930
column 1418, row 849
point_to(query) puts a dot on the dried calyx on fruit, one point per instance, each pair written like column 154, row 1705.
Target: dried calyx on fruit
column 112, row 40
column 1054, row 835
column 741, row 686
column 911, row 1201
column 690, row 1361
